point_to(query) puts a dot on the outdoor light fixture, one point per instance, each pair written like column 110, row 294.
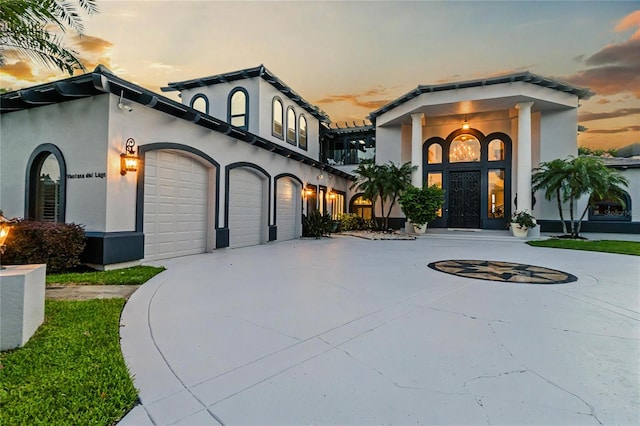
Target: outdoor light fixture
column 122, row 106
column 465, row 124
column 5, row 228
column 308, row 192
column 129, row 159
column 320, row 177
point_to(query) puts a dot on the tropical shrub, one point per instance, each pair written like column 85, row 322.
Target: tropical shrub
column 421, row 205
column 350, row 222
column 316, row 224
column 59, row 245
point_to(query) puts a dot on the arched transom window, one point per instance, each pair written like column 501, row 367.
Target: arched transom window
column 464, row 148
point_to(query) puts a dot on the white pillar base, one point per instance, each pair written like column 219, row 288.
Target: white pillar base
column 22, row 289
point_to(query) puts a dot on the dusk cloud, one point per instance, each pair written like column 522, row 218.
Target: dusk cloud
column 20, row 70
column 618, row 130
column 356, row 99
column 615, row 68
column 622, row 112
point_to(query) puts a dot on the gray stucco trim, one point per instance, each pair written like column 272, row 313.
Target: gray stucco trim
column 143, row 149
column 527, row 77
column 101, row 81
column 259, row 71
column 39, row 154
column 106, row 248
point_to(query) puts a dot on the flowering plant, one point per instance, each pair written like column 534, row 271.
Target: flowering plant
column 524, row 219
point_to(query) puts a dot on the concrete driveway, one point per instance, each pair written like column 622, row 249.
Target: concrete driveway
column 348, row 331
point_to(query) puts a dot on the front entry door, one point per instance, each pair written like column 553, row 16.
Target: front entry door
column 464, row 199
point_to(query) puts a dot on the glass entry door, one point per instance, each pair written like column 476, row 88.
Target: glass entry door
column 464, row 199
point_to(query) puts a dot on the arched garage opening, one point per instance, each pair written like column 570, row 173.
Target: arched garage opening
column 247, row 204
column 288, row 199
column 177, row 192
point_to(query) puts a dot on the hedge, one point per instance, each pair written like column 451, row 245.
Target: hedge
column 59, row 245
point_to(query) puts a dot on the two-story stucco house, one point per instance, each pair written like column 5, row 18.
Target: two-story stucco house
column 243, row 156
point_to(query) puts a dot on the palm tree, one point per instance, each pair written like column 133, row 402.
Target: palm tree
column 26, row 28
column 573, row 178
column 368, row 182
column 551, row 177
column 589, row 176
column 397, row 180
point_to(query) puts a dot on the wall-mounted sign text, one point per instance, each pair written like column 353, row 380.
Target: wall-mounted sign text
column 100, row 175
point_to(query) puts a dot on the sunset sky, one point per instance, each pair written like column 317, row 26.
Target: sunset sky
column 349, row 58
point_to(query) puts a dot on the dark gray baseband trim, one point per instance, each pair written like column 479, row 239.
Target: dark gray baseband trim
column 593, row 226
column 105, row 248
column 273, row 232
column 222, row 237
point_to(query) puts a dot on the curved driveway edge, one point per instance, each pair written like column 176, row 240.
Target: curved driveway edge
column 351, row 331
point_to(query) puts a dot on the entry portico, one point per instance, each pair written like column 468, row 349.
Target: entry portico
column 479, row 140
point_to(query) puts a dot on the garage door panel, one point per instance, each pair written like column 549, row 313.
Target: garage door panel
column 246, row 208
column 175, row 199
column 287, row 209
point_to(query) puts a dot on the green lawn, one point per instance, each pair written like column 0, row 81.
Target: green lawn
column 71, row 372
column 605, row 246
column 135, row 275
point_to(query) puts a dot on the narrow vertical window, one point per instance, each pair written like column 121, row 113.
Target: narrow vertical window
column 238, row 108
column 291, row 126
column 435, row 154
column 277, row 118
column 302, row 132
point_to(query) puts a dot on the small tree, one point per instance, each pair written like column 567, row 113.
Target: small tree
column 551, row 177
column 367, row 182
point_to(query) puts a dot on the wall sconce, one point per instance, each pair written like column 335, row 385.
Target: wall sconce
column 320, row 176
column 129, row 159
column 5, row 228
column 307, row 192
column 465, row 124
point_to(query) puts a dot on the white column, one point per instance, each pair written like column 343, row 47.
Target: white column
column 524, row 155
column 416, row 148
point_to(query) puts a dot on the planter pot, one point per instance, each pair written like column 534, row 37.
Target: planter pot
column 519, row 231
column 420, row 229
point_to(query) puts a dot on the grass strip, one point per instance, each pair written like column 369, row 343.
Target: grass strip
column 71, row 372
column 135, row 275
column 604, row 246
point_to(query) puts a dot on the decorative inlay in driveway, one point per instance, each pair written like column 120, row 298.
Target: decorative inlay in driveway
column 502, row 271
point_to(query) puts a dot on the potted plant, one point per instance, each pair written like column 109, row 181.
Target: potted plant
column 420, row 205
column 521, row 222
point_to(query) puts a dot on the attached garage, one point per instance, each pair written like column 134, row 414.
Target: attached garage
column 175, row 205
column 288, row 209
column 247, row 212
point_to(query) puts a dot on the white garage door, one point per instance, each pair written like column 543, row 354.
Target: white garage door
column 246, row 211
column 175, row 205
column 288, row 214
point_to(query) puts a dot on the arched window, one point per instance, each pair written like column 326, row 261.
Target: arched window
column 302, row 132
column 362, row 207
column 291, row 126
column 464, row 148
column 46, row 185
column 277, row 115
column 201, row 103
column 611, row 209
column 239, row 108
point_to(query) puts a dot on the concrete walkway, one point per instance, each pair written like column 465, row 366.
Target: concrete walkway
column 356, row 332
